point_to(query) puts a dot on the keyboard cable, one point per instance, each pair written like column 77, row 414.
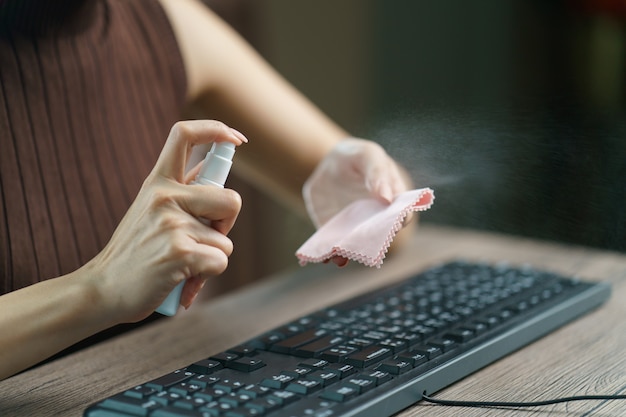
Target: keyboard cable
column 455, row 403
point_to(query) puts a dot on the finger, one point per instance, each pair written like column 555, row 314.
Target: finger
column 183, row 136
column 191, row 175
column 340, row 261
column 396, row 181
column 190, row 290
column 380, row 180
column 408, row 219
column 219, row 206
column 386, row 181
column 210, row 236
column 205, row 261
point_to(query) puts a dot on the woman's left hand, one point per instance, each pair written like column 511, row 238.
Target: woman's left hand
column 354, row 169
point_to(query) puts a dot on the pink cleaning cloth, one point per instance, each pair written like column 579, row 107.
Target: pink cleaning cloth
column 364, row 230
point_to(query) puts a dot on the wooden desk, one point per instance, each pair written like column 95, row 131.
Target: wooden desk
column 587, row 356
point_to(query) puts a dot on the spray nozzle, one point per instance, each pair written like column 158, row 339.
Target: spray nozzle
column 217, row 164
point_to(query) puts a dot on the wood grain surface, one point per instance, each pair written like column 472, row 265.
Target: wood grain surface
column 587, row 356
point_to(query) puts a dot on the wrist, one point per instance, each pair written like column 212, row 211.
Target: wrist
column 96, row 303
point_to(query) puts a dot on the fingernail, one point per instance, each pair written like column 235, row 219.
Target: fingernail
column 193, row 298
column 239, row 135
column 386, row 193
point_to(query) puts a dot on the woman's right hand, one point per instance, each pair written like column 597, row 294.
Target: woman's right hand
column 161, row 240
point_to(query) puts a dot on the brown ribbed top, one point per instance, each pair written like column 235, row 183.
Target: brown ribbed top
column 88, row 93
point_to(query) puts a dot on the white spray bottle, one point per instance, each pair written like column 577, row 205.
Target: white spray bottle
column 214, row 171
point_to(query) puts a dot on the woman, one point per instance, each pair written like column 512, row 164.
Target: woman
column 90, row 90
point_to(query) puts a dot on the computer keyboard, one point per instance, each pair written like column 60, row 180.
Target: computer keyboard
column 372, row 355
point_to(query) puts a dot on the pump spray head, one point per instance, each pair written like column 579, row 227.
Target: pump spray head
column 217, row 163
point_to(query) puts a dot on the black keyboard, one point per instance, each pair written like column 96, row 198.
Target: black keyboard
column 373, row 355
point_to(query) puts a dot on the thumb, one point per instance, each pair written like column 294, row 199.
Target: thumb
column 382, row 181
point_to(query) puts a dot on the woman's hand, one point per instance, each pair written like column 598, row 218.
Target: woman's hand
column 354, row 169
column 162, row 241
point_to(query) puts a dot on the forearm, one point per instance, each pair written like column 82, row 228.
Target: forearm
column 44, row 318
column 290, row 136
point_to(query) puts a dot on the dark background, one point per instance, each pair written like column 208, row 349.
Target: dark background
column 513, row 111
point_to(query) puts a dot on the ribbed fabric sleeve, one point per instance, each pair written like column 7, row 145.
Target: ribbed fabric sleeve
column 83, row 117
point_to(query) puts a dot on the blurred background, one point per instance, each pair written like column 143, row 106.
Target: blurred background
column 513, row 111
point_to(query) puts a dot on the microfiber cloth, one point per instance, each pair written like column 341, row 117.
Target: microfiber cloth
column 364, row 230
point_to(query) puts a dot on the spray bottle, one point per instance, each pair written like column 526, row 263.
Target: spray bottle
column 214, row 171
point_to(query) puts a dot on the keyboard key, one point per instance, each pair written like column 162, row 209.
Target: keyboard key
column 205, row 366
column 395, row 366
column 254, row 391
column 290, row 344
column 489, row 321
column 476, row 328
column 245, row 364
column 224, row 357
column 460, row 335
column 210, row 394
column 314, row 349
column 204, row 380
column 264, row 405
column 325, row 377
column 368, row 356
column 380, row 377
column 278, row 381
column 304, row 386
column 214, row 408
column 359, row 342
column 243, row 350
column 312, row 407
column 140, row 391
column 361, row 383
column 191, row 402
column 375, row 336
column 166, row 397
column 185, row 388
column 442, row 343
column 409, row 338
column 340, row 393
column 174, row 412
column 188, row 404
column 266, row 340
column 298, row 371
column 422, row 331
column 243, row 412
column 234, row 400
column 228, row 385
column 314, row 363
column 168, row 380
column 338, row 353
column 283, row 397
column 428, row 351
column 396, row 345
column 129, row 405
column 414, row 358
column 291, row 329
column 342, row 370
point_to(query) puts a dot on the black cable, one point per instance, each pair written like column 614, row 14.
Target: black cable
column 454, row 403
